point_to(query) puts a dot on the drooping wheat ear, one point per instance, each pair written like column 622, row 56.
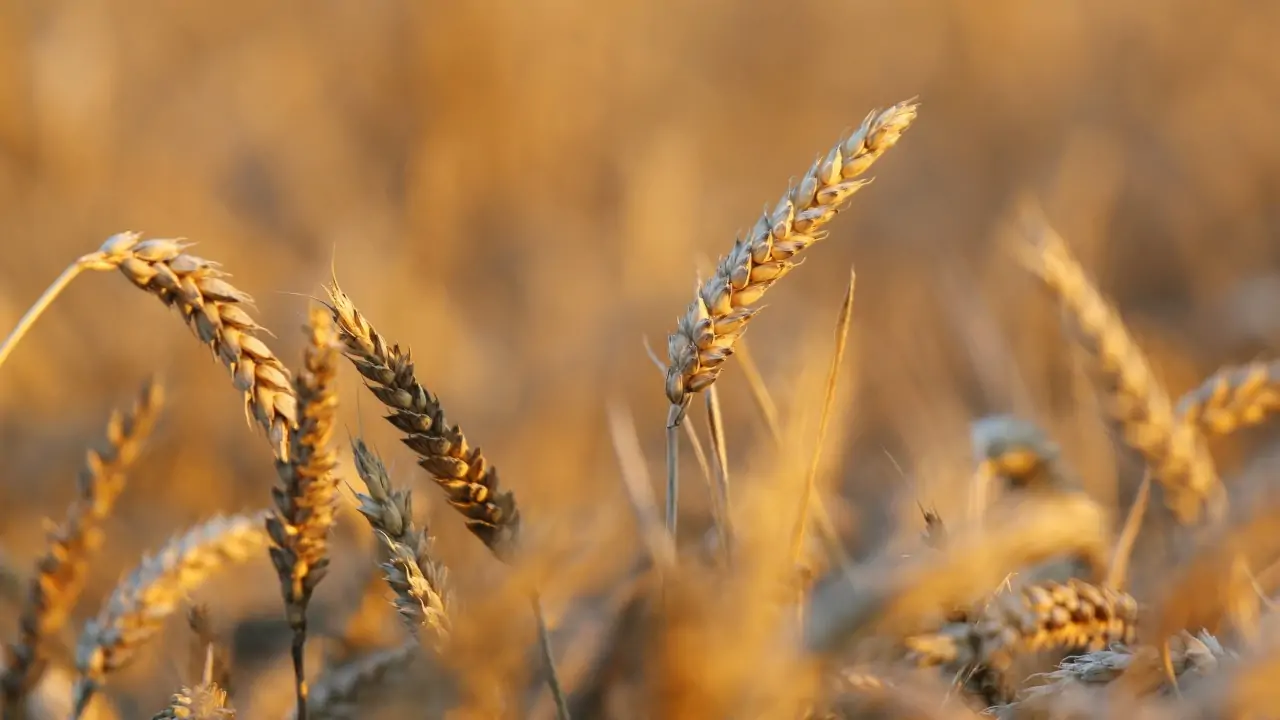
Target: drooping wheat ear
column 706, row 333
column 202, row 702
column 1072, row 616
column 1233, row 398
column 470, row 483
column 421, row 584
column 60, row 573
column 304, row 501
column 338, row 689
column 151, row 593
column 215, row 312
column 1175, row 451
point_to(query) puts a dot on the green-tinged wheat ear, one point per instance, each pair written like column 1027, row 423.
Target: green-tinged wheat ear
column 705, row 335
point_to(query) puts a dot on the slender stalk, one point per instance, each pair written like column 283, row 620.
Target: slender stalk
column 674, row 418
column 1124, row 544
column 828, row 401
column 635, row 475
column 759, row 390
column 548, row 658
column 42, row 303
column 298, row 652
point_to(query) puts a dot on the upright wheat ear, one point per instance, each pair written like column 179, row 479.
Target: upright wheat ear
column 706, row 333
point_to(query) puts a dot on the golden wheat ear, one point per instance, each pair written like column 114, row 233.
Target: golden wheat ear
column 705, row 335
column 1174, row 450
column 61, row 571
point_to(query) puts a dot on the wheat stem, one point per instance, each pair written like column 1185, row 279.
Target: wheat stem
column 42, row 303
column 548, row 658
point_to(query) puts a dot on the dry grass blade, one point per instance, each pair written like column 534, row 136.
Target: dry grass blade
column 60, row 572
column 339, row 689
column 1072, row 616
column 720, row 493
column 896, row 596
column 705, row 335
column 141, row 602
column 215, row 312
column 828, row 401
column 1233, row 398
column 420, row 583
column 470, row 483
column 1174, row 450
column 304, row 503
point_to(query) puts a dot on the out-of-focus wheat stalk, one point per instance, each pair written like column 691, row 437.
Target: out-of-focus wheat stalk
column 705, row 335
column 1233, row 398
column 338, row 689
column 1175, row 451
column 421, row 584
column 151, row 593
column 60, row 573
column 304, row 502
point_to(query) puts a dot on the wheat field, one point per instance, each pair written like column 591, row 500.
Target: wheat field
column 465, row 419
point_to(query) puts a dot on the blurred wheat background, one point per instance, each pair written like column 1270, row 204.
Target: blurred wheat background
column 524, row 191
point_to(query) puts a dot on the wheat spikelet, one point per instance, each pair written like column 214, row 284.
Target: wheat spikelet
column 1233, row 398
column 203, row 702
column 1074, row 616
column 1174, row 450
column 419, row 583
column 470, row 483
column 304, row 515
column 726, row 302
column 142, row 601
column 339, row 689
column 215, row 312
column 61, row 570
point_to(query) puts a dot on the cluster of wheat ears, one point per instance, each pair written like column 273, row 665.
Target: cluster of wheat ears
column 1036, row 571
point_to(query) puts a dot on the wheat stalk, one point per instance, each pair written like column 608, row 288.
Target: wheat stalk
column 61, row 571
column 304, row 515
column 1174, row 450
column 1233, row 398
column 420, row 583
column 141, row 602
column 729, row 299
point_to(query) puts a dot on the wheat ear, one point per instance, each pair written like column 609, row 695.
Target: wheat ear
column 726, row 302
column 142, row 601
column 470, row 483
column 202, row 702
column 1072, row 616
column 419, row 582
column 215, row 312
column 1233, row 398
column 304, row 502
column 61, row 571
column 339, row 688
column 1174, row 450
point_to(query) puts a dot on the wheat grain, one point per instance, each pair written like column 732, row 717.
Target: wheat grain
column 1233, row 398
column 141, row 602
column 705, row 335
column 1174, row 450
column 61, row 571
column 215, row 312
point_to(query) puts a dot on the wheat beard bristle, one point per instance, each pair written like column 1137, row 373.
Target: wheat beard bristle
column 725, row 303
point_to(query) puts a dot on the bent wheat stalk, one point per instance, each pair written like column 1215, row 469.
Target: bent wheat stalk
column 729, row 299
column 152, row 592
column 62, row 569
column 304, row 515
column 1174, row 450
